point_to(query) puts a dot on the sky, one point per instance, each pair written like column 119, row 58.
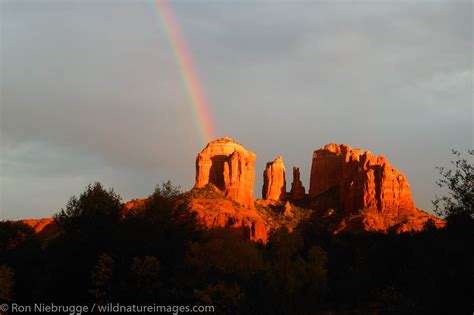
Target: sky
column 91, row 90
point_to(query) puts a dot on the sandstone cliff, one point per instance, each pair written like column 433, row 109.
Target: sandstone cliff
column 214, row 210
column 45, row 227
column 350, row 190
column 274, row 182
column 223, row 192
column 359, row 183
column 228, row 166
column 297, row 189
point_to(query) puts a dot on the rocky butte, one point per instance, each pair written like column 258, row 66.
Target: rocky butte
column 274, row 182
column 45, row 227
column 297, row 191
column 349, row 190
column 223, row 192
column 370, row 192
column 228, row 166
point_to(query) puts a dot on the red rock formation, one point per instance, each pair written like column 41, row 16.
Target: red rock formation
column 372, row 195
column 45, row 227
column 288, row 210
column 223, row 213
column 274, row 182
column 214, row 210
column 297, row 189
column 374, row 221
column 225, row 173
column 230, row 167
column 134, row 204
column 132, row 207
column 364, row 182
column 37, row 224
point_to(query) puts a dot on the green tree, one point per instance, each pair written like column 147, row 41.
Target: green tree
column 166, row 223
column 102, row 277
column 227, row 298
column 144, row 278
column 6, row 283
column 225, row 253
column 163, row 204
column 95, row 208
column 459, row 181
column 296, row 278
column 12, row 234
column 390, row 300
column 89, row 226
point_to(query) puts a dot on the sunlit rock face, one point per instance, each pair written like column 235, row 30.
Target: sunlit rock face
column 223, row 192
column 38, row 224
column 361, row 181
column 274, row 182
column 297, row 189
column 45, row 227
column 364, row 181
column 350, row 190
column 214, row 211
column 228, row 166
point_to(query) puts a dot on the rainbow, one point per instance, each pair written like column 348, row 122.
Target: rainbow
column 195, row 94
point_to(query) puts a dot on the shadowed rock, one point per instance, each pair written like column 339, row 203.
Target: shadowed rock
column 297, row 189
column 274, row 182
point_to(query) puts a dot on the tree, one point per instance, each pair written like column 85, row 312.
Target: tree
column 227, row 298
column 88, row 227
column 459, row 181
column 295, row 277
column 144, row 279
column 6, row 283
column 12, row 234
column 94, row 208
column 163, row 204
column 102, row 277
column 224, row 253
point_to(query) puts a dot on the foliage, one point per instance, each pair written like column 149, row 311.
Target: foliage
column 295, row 277
column 222, row 253
column 459, row 182
column 274, row 214
column 144, row 278
column 95, row 208
column 12, row 235
column 159, row 253
column 6, row 283
column 207, row 192
column 102, row 276
column 227, row 298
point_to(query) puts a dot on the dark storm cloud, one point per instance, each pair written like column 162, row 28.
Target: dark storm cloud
column 91, row 90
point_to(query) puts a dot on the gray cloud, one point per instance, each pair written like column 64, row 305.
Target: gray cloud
column 91, row 90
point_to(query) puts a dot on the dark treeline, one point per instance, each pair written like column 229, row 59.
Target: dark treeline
column 159, row 254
